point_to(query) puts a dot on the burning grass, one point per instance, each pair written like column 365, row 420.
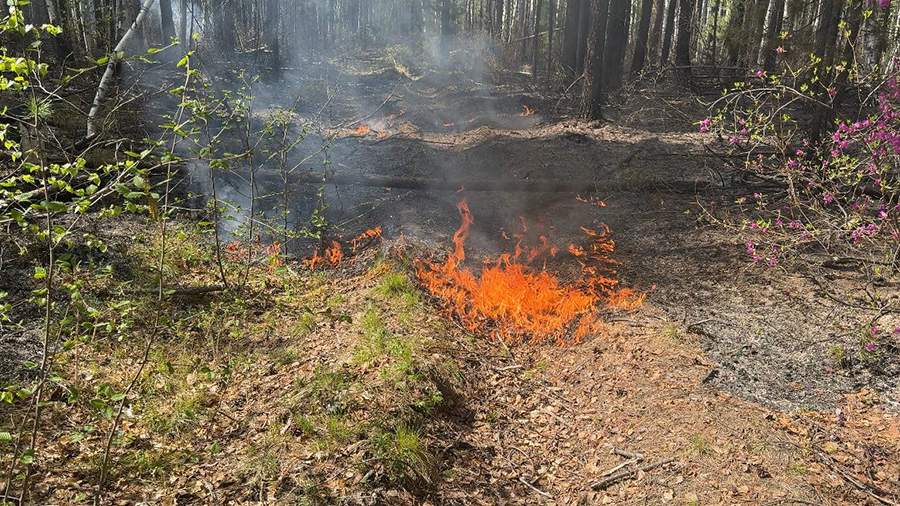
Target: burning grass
column 334, row 254
column 513, row 301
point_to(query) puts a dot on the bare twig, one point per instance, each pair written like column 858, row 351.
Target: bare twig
column 628, row 473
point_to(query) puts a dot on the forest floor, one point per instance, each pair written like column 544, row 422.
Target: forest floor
column 351, row 385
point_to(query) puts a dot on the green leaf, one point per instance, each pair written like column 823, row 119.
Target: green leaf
column 5, row 437
column 40, row 272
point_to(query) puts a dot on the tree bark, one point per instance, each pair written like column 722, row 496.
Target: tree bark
column 656, row 31
column 667, row 33
column 592, row 93
column 640, row 39
column 771, row 37
column 614, row 49
column 683, row 44
column 551, row 31
column 166, row 21
column 536, row 43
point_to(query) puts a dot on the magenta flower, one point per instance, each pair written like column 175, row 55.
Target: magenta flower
column 779, row 50
column 760, row 73
column 827, row 198
column 884, row 4
column 704, row 125
column 871, row 347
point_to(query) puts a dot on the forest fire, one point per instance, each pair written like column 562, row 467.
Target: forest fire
column 513, row 301
column 334, row 254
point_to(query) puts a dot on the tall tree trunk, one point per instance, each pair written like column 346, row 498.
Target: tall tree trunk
column 166, row 21
column 713, row 38
column 592, row 92
column 183, row 24
column 536, row 43
column 683, row 44
column 640, row 39
column 273, row 32
column 445, row 28
column 882, row 36
column 551, row 31
column 826, row 31
column 616, row 38
column 656, row 31
column 667, row 33
column 771, row 37
column 755, row 33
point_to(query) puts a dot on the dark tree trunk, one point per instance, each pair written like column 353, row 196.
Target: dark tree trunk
column 640, row 39
column 656, row 31
column 592, row 93
column 166, row 21
column 578, row 25
column 616, row 39
column 883, row 35
column 683, row 44
column 826, row 33
column 734, row 39
column 773, row 30
column 551, row 32
column 667, row 33
column 273, row 32
column 445, row 28
column 536, row 43
column 570, row 34
column 183, row 24
column 755, row 32
column 713, row 38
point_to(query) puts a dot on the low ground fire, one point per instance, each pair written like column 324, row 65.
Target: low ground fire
column 514, row 300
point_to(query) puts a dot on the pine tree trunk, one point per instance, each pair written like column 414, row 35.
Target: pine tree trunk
column 640, row 39
column 551, row 32
column 166, row 21
column 536, row 43
column 683, row 44
column 667, row 33
column 656, row 31
column 592, row 92
column 771, row 37
column 616, row 38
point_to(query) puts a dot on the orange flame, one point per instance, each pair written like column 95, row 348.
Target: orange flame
column 527, row 111
column 372, row 233
column 514, row 302
column 362, row 129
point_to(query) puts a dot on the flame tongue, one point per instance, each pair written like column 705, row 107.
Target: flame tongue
column 513, row 301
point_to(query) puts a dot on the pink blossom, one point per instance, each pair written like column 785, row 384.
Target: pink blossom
column 871, row 347
column 827, row 198
column 884, row 4
column 704, row 125
column 760, row 73
column 779, row 50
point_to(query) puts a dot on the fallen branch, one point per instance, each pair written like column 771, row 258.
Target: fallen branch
column 628, row 473
column 187, row 291
column 532, row 487
column 866, row 488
